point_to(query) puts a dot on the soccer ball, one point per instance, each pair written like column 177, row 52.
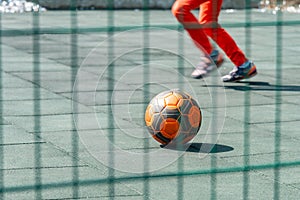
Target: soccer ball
column 173, row 116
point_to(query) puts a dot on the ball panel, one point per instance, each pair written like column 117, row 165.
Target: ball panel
column 178, row 95
column 194, row 116
column 148, row 115
column 169, row 128
column 186, row 106
column 171, row 100
column 157, row 104
column 188, row 138
column 194, row 130
column 185, row 125
column 170, row 112
column 156, row 121
column 194, row 102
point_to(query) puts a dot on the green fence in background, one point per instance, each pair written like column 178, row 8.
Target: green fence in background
column 113, row 177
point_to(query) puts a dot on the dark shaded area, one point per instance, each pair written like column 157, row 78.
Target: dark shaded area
column 259, row 86
column 264, row 86
column 199, row 147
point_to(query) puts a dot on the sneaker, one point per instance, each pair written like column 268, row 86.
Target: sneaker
column 245, row 71
column 208, row 64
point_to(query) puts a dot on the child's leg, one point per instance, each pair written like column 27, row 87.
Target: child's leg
column 209, row 13
column 182, row 11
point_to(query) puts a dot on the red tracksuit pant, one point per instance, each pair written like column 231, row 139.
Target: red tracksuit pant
column 207, row 25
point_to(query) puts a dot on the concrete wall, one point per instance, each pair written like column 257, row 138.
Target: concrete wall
column 163, row 4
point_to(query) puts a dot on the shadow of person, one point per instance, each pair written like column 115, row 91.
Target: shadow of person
column 199, row 147
column 263, row 86
column 258, row 86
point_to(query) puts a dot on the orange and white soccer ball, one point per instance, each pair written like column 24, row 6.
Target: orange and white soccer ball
column 173, row 116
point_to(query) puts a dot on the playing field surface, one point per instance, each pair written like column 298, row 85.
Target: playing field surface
column 75, row 85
